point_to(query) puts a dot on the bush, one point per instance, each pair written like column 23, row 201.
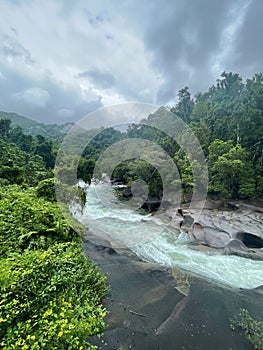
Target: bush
column 46, row 189
column 29, row 222
column 50, row 299
column 252, row 328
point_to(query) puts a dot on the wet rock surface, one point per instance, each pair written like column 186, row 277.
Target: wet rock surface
column 235, row 227
column 155, row 308
column 237, row 247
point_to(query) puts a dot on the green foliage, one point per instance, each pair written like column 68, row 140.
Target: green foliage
column 185, row 106
column 46, row 189
column 85, row 169
column 24, row 142
column 51, row 295
column 228, row 122
column 100, row 142
column 24, row 159
column 186, row 174
column 29, row 222
column 252, row 328
column 227, row 116
column 5, row 128
column 50, row 299
column 44, row 148
column 17, row 166
column 231, row 172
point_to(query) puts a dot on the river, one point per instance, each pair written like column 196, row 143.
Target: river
column 153, row 240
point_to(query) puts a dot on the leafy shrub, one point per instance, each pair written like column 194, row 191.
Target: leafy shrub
column 20, row 167
column 46, row 189
column 50, row 299
column 252, row 328
column 27, row 221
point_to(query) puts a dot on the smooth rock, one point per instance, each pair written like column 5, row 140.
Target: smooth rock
column 237, row 247
column 209, row 236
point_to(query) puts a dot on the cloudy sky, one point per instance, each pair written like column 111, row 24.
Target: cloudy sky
column 60, row 60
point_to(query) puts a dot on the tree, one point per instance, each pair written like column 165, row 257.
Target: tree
column 24, row 142
column 5, row 125
column 85, row 169
column 44, row 148
column 231, row 172
column 185, row 105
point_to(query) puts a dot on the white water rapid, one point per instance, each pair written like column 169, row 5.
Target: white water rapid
column 153, row 241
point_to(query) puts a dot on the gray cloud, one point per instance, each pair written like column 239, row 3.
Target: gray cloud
column 249, row 49
column 92, row 55
column 186, row 39
column 103, row 80
column 109, row 37
column 48, row 101
column 11, row 47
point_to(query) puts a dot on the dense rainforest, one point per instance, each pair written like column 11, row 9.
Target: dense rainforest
column 51, row 294
column 228, row 122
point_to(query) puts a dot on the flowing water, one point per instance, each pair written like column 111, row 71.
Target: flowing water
column 153, row 240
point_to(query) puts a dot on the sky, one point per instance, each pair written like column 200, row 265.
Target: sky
column 62, row 59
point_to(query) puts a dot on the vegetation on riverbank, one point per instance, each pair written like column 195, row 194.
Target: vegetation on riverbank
column 51, row 294
column 252, row 328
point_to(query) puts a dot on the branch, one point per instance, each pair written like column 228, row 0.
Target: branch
column 136, row 313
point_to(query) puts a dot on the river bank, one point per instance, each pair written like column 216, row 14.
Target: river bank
column 164, row 294
column 148, row 312
column 233, row 227
column 230, row 228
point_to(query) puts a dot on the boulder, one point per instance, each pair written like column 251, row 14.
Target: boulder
column 237, row 247
column 187, row 222
column 152, row 204
column 209, row 236
column 258, row 289
column 197, row 233
column 234, row 228
column 216, row 238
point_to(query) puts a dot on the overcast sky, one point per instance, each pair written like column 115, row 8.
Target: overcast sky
column 60, row 60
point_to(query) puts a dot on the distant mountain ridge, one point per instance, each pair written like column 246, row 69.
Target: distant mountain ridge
column 33, row 127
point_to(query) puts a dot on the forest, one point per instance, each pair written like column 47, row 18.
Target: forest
column 228, row 122
column 51, row 294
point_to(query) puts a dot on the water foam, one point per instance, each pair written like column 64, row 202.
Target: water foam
column 166, row 247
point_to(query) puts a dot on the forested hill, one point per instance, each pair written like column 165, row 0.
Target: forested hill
column 228, row 122
column 32, row 127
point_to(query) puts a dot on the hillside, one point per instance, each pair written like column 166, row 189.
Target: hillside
column 32, row 127
column 228, row 123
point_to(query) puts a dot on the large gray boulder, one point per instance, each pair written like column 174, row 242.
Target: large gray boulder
column 216, row 227
column 208, row 235
column 237, row 247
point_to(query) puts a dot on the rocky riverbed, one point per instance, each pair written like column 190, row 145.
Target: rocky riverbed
column 234, row 228
column 187, row 303
column 157, row 308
